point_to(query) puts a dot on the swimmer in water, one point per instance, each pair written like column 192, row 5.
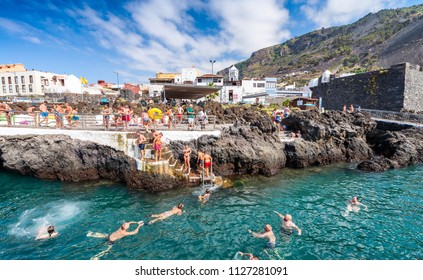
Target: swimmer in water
column 167, row 214
column 50, row 233
column 204, row 198
column 112, row 238
column 250, row 256
column 287, row 223
column 354, row 204
column 268, row 233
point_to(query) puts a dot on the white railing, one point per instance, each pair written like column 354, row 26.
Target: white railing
column 95, row 122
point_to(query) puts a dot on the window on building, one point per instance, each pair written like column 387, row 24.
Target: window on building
column 9, row 79
column 254, row 85
column 214, row 80
column 219, row 81
column 260, row 84
column 3, row 80
column 30, row 88
column 4, row 89
column 22, row 79
column 200, row 80
column 17, row 88
column 10, row 89
column 42, row 87
column 16, row 80
column 23, row 88
column 231, row 95
column 30, row 79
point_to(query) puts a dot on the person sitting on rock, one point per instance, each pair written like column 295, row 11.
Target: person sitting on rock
column 175, row 210
column 287, row 223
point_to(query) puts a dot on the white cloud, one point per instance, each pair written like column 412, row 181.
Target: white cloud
column 162, row 36
column 327, row 13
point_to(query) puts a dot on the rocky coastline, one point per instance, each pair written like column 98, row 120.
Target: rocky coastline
column 250, row 146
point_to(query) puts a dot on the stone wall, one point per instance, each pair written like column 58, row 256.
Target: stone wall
column 381, row 90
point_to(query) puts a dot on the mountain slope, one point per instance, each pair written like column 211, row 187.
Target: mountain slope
column 376, row 40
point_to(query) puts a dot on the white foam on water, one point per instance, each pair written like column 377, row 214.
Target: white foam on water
column 60, row 214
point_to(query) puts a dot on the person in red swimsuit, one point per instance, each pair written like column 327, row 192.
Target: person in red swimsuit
column 207, row 163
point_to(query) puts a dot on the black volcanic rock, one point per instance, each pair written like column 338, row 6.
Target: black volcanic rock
column 62, row 158
column 250, row 146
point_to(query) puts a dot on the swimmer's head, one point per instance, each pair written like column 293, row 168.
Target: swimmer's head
column 124, row 226
column 354, row 199
column 180, row 206
column 268, row 227
column 287, row 218
column 50, row 230
column 255, row 258
column 207, row 191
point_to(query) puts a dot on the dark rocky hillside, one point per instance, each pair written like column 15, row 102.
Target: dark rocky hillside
column 375, row 41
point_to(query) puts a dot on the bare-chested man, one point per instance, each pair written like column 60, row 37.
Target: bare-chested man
column 43, row 235
column 112, row 238
column 268, row 233
column 68, row 113
column 175, row 210
column 157, row 144
column 200, row 160
column 207, row 164
column 44, row 113
column 126, row 116
column 140, row 142
column 287, row 223
column 180, row 112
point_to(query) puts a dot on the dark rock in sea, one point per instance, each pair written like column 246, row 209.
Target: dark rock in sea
column 395, row 148
column 250, row 146
column 327, row 138
column 62, row 158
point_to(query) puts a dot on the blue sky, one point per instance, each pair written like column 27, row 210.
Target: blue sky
column 138, row 38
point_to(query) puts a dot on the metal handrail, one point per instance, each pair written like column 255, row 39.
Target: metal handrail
column 95, row 122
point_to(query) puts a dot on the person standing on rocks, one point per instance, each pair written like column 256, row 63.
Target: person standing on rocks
column 157, row 144
column 207, row 164
column 187, row 159
column 268, row 233
column 200, row 160
column 287, row 223
column 286, row 111
column 141, row 144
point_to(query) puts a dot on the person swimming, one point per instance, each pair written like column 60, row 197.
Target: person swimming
column 204, row 198
column 167, row 214
column 287, row 223
column 354, row 204
column 121, row 232
column 268, row 233
column 50, row 233
column 250, row 256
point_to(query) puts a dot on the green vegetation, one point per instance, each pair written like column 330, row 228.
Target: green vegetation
column 350, row 48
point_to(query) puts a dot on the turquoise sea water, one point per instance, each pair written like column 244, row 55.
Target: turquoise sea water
column 391, row 228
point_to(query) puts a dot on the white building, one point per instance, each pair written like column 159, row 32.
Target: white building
column 233, row 74
column 189, row 75
column 207, row 79
column 253, row 86
column 16, row 81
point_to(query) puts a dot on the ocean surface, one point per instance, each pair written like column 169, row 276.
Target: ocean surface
column 391, row 228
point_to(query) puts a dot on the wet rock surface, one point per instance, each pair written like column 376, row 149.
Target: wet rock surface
column 63, row 158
